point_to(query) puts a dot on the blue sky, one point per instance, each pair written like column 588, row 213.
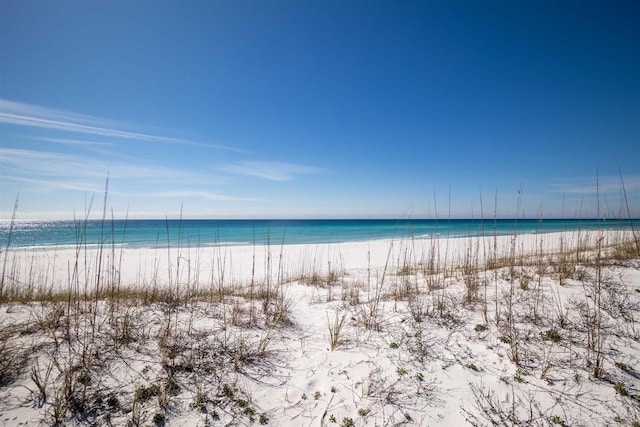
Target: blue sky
column 259, row 109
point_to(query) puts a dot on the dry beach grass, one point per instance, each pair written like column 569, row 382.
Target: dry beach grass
column 490, row 330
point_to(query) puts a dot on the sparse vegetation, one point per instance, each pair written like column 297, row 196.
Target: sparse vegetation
column 347, row 422
column 546, row 317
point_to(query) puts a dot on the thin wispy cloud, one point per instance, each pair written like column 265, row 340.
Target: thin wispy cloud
column 30, row 110
column 272, row 171
column 42, row 185
column 207, row 195
column 48, row 164
column 20, row 114
column 77, row 142
column 43, row 171
column 604, row 185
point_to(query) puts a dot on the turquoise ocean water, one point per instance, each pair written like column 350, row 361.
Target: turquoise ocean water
column 203, row 233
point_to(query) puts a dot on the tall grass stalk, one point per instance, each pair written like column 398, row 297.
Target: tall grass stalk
column 512, row 333
column 636, row 237
column 99, row 259
column 6, row 251
column 335, row 329
column 495, row 257
column 485, row 303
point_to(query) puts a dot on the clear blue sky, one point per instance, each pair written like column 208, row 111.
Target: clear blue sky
column 351, row 108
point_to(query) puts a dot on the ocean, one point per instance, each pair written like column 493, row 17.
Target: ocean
column 204, row 233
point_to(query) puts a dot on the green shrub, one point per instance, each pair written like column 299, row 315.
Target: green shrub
column 550, row 335
column 171, row 385
column 519, row 374
column 145, row 393
column 480, row 328
column 623, row 367
column 557, row 420
column 621, row 389
column 227, row 390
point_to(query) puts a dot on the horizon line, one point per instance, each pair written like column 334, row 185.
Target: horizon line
column 385, row 218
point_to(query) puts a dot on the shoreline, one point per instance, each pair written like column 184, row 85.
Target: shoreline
column 143, row 234
column 197, row 265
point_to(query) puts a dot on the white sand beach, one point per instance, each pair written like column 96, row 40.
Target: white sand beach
column 238, row 264
column 537, row 329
